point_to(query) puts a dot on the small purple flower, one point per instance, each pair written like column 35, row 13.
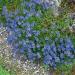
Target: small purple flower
column 61, row 55
column 37, row 1
column 29, row 4
column 58, row 34
column 61, row 40
column 31, row 44
column 31, row 55
column 38, row 45
column 45, row 5
column 36, row 33
column 53, row 47
column 25, row 11
column 46, row 38
column 47, row 59
column 19, row 23
column 57, row 59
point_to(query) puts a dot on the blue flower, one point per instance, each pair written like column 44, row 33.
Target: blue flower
column 47, row 59
column 28, row 34
column 45, row 5
column 61, row 55
column 38, row 14
column 53, row 47
column 38, row 46
column 36, row 39
column 31, row 55
column 33, row 24
column 62, row 47
column 28, row 28
column 36, row 33
column 57, row 59
column 46, row 49
column 46, row 38
column 5, row 11
column 11, row 38
column 52, row 54
column 22, row 49
column 16, row 18
column 58, row 34
column 24, row 36
column 61, row 40
column 37, row 1
column 29, row 4
column 56, row 40
column 69, row 45
column 31, row 45
column 28, row 15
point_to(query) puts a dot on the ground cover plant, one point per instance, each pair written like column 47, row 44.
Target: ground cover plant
column 3, row 71
column 34, row 31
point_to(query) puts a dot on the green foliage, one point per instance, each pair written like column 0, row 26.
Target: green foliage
column 3, row 71
column 11, row 4
column 62, row 23
column 46, row 21
column 65, row 68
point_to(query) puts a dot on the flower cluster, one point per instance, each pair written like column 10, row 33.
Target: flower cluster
column 26, row 37
column 20, row 25
column 58, row 51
